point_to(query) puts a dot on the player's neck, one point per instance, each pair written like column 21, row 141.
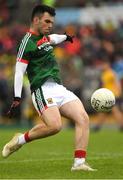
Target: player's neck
column 34, row 31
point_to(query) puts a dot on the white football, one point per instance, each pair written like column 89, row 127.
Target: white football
column 102, row 100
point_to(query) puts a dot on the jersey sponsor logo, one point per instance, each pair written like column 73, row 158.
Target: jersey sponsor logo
column 44, row 44
column 50, row 101
column 47, row 48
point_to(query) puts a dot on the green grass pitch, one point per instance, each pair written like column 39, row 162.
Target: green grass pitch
column 52, row 157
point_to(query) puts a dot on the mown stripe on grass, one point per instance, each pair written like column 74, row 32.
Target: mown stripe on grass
column 99, row 157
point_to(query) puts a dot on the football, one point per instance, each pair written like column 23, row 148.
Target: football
column 102, row 100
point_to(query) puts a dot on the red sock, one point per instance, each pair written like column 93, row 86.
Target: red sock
column 26, row 136
column 80, row 154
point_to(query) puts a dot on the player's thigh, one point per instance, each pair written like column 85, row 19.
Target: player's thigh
column 51, row 116
column 74, row 110
column 49, row 112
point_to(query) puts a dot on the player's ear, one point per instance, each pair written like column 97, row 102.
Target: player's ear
column 36, row 20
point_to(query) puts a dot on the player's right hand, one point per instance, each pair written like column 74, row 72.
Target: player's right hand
column 14, row 107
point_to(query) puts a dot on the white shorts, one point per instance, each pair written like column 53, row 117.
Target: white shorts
column 51, row 94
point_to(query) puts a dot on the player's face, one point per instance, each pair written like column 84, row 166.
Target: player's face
column 46, row 22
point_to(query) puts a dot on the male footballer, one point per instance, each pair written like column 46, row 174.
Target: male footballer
column 50, row 98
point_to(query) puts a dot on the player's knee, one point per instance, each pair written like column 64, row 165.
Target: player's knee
column 84, row 120
column 56, row 127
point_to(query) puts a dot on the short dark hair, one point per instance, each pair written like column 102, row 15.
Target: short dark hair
column 40, row 9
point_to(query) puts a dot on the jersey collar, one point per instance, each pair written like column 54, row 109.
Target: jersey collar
column 33, row 33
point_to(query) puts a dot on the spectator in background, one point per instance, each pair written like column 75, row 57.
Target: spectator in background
column 4, row 93
column 110, row 81
column 118, row 66
column 6, row 42
column 4, row 11
column 71, row 71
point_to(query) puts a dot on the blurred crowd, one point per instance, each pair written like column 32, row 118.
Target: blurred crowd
column 80, row 62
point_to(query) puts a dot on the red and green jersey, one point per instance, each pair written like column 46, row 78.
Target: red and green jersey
column 37, row 52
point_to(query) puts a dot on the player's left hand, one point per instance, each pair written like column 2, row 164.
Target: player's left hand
column 69, row 38
column 14, row 107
